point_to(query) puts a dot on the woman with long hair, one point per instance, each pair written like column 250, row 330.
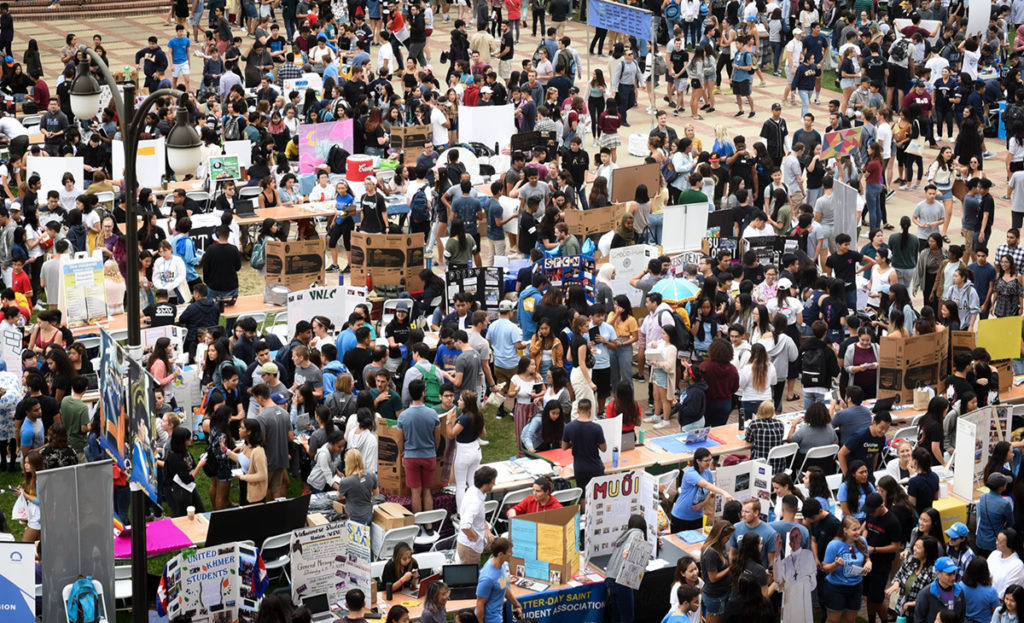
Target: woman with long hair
column 748, row 560
column 898, row 502
column 905, row 249
column 582, row 362
column 843, row 590
column 923, row 488
column 527, row 388
column 401, row 571
column 599, row 196
column 715, row 570
column 218, row 467
column 1007, row 611
column 929, row 262
column 31, row 466
column 916, row 573
column 640, row 208
column 559, row 389
column 861, row 363
column 364, row 437
column 902, row 467
column 874, row 181
column 695, row 70
column 545, row 348
column 460, row 248
column 755, row 383
column 1007, row 297
column 695, row 483
column 179, row 466
column 465, row 425
column 544, row 432
column 620, row 596
column 326, row 461
column 930, row 431
column 942, row 173
column 57, row 452
column 687, row 573
column 929, row 524
column 625, row 404
column 434, row 603
column 854, row 489
column 817, row 485
column 159, row 364
column 60, row 373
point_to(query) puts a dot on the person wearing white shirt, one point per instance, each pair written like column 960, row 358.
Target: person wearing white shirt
column 474, row 532
column 605, row 169
column 169, row 272
column 935, row 65
column 759, row 227
column 791, row 54
column 971, row 57
column 1005, row 565
column 323, row 191
column 385, row 54
column 438, row 122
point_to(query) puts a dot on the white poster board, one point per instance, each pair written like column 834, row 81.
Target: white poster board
column 612, row 428
column 684, row 227
column 629, row 262
column 174, row 333
column 311, row 80
column 83, row 296
column 844, row 201
column 11, row 340
column 978, row 13
column 964, row 457
column 928, row 24
column 611, row 499
column 334, row 302
column 509, row 206
column 745, row 480
column 18, row 582
column 51, row 170
column 242, row 149
column 150, row 161
column 330, row 559
column 487, row 125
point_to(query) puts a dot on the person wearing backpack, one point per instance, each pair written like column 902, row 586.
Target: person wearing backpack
column 818, row 365
column 185, row 248
column 423, row 368
column 419, row 196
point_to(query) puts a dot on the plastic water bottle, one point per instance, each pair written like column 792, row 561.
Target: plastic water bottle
column 615, row 457
column 771, row 514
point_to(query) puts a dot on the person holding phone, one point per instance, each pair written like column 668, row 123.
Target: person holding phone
column 861, row 364
column 527, row 387
column 605, row 343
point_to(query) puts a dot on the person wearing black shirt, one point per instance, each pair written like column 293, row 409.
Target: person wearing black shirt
column 355, row 89
column 774, row 131
column 944, row 89
column 375, row 214
column 528, row 225
column 225, row 201
column 844, row 264
column 741, row 163
column 356, row 359
column 161, row 313
column 576, row 161
column 500, row 96
column 220, row 265
column 883, row 537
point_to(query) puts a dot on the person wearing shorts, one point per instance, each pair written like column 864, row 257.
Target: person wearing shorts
column 845, row 559
column 418, row 424
column 276, row 481
column 197, row 16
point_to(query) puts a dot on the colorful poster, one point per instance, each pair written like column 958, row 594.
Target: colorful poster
column 611, row 500
column 112, row 392
column 82, row 291
column 840, row 143
column 221, row 584
column 18, row 582
column 330, row 560
column 141, row 464
column 316, row 140
column 567, row 271
column 224, row 167
column 573, row 604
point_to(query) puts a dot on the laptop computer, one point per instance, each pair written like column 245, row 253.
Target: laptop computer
column 628, row 441
column 461, row 580
column 421, row 591
column 699, row 435
column 319, row 607
column 94, row 381
column 883, row 404
column 245, row 207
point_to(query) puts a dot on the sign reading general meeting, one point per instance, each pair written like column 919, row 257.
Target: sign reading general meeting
column 18, row 582
column 620, row 18
column 331, row 560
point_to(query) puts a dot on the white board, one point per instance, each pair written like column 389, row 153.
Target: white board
column 51, row 170
column 963, row 459
column 508, row 208
column 150, row 162
column 629, row 262
column 612, row 428
column 611, row 499
column 487, row 125
column 978, row 13
column 928, row 24
column 844, row 201
column 750, row 479
column 334, row 302
column 684, row 227
column 242, row 149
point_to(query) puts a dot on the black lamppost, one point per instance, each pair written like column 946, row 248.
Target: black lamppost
column 183, row 155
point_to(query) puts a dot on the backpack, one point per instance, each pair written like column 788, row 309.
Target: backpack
column 419, row 207
column 900, row 50
column 671, row 12
column 212, row 465
column 336, row 158
column 233, row 129
column 432, row 390
column 83, row 604
column 567, row 63
column 258, row 257
column 670, row 174
column 813, row 368
column 535, row 59
column 678, row 336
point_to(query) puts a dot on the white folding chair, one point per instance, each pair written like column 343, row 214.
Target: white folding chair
column 783, row 452
column 818, row 454
column 99, row 594
column 31, row 120
column 105, row 200
column 423, row 519
column 665, row 480
column 122, row 587
column 249, row 192
column 259, row 317
column 377, row 568
column 388, row 311
column 90, row 343
column 430, row 560
column 834, row 480
column 276, row 553
column 404, row 534
column 568, row 497
column 907, row 432
column 491, row 507
column 511, row 499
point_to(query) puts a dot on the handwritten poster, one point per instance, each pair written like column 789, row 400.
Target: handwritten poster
column 214, row 584
column 611, row 500
column 330, row 559
column 629, row 570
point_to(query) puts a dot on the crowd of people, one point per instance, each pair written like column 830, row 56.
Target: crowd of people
column 799, row 330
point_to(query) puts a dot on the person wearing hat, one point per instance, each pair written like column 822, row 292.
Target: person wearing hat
column 883, row 533
column 486, row 94
column 774, row 131
column 959, row 548
column 266, row 373
column 506, row 340
column 995, row 513
column 277, row 434
column 942, row 594
column 791, row 57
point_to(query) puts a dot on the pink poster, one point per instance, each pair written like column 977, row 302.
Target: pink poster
column 316, row 140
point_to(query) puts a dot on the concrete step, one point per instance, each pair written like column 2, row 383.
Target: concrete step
column 38, row 10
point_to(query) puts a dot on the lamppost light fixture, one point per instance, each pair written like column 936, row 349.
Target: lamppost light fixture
column 183, row 144
column 85, row 92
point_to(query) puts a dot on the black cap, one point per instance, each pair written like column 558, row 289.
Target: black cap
column 871, row 503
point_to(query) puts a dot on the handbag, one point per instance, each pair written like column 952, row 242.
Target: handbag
column 922, row 396
column 915, row 147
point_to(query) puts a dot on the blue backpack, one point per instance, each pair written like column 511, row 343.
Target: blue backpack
column 83, row 602
column 419, row 207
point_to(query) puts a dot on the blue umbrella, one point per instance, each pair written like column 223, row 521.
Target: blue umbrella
column 676, row 290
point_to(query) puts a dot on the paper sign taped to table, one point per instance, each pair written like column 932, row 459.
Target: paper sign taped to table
column 583, row 223
column 410, row 141
column 387, row 259
column 1000, row 337
column 626, row 179
column 296, row 264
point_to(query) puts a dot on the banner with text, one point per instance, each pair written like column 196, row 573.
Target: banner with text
column 331, row 560
column 214, row 584
column 614, row 497
column 18, row 582
column 620, row 18
column 573, row 604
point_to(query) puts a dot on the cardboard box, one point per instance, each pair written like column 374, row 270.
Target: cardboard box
column 906, row 363
column 296, row 264
column 339, row 507
column 387, row 259
column 1005, row 369
column 410, row 141
column 625, row 180
column 391, row 515
column 391, row 449
column 546, row 542
column 597, row 221
column 961, row 341
column 951, row 510
column 316, row 519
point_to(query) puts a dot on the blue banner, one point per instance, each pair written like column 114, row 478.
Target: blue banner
column 580, row 604
column 620, row 18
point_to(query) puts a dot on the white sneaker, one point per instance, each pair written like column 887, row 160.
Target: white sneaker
column 652, row 418
column 484, row 442
column 651, row 111
column 663, row 424
column 904, row 187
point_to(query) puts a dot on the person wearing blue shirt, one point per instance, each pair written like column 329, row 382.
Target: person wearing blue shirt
column 347, row 339
column 751, row 522
column 32, row 432
column 854, row 490
column 816, row 44
column 785, row 524
column 845, row 564
column 995, row 513
column 980, row 598
column 185, row 248
column 984, row 277
column 493, row 586
column 179, row 46
column 529, row 297
column 697, row 481
column 506, row 341
column 603, row 339
column 743, row 67
column 495, row 223
column 854, row 418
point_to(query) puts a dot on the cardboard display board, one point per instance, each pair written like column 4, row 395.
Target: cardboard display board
column 150, row 161
column 222, row 583
column 596, row 221
column 18, row 582
column 486, row 284
column 611, row 499
column 333, row 302
column 684, row 227
column 962, row 341
column 770, row 249
column 745, row 480
column 330, row 559
column 410, row 141
column 1000, row 336
column 566, row 271
column 388, row 259
column 83, row 297
column 545, row 545
column 390, row 449
column 490, row 125
column 625, row 180
column 629, row 262
column 172, row 332
column 316, row 140
column 907, row 363
column 977, row 433
column 51, row 170
column 224, row 167
column 296, row 264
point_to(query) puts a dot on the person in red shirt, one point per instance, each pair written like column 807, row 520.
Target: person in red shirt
column 10, row 298
column 20, row 281
column 541, row 500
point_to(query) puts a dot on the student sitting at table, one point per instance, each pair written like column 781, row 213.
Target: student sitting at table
column 541, row 500
column 402, row 571
column 226, row 201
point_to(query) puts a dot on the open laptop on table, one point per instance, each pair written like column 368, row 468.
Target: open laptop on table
column 421, row 590
column 319, row 607
column 461, row 580
column 628, row 441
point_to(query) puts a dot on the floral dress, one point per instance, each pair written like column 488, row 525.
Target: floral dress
column 1007, row 301
column 11, row 383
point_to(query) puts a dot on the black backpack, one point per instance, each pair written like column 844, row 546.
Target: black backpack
column 336, row 158
column 678, row 335
column 814, row 368
column 900, row 50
